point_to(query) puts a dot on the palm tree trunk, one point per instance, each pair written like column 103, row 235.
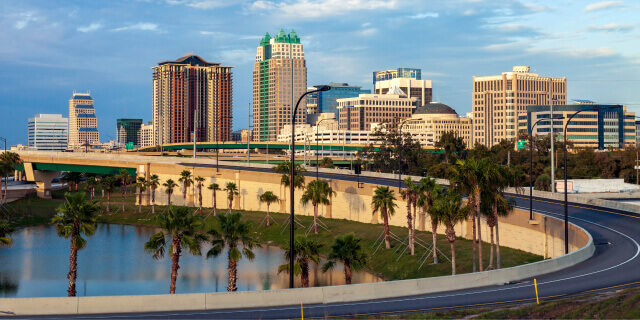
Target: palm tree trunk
column 434, row 229
column 268, row 218
column 478, row 215
column 347, row 272
column 140, row 201
column 315, row 218
column 215, row 206
column 123, row 191
column 497, row 245
column 387, row 238
column 169, row 198
column 175, row 259
column 153, row 201
column 184, row 193
column 233, row 274
column 200, row 197
column 409, row 238
column 473, row 243
column 91, row 194
column 304, row 275
column 73, row 265
column 108, row 201
column 453, row 259
column 491, row 251
column 413, row 231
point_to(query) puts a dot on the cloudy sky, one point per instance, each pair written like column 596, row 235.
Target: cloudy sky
column 49, row 48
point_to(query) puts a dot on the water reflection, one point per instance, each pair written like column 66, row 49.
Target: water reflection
column 114, row 263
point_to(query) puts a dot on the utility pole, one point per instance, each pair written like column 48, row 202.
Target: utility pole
column 249, row 136
column 553, row 138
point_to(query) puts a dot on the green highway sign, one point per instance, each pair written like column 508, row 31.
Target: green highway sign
column 521, row 145
column 129, row 145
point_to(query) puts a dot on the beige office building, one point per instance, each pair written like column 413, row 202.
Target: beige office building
column 83, row 124
column 146, row 136
column 499, row 100
column 359, row 113
column 279, row 79
column 429, row 122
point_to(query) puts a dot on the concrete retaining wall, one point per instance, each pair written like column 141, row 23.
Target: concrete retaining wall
column 270, row 298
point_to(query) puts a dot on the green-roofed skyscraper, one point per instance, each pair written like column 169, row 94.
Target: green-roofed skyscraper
column 279, row 79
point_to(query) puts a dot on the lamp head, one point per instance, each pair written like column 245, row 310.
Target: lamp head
column 324, row 88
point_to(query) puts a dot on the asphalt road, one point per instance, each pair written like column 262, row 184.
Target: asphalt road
column 615, row 264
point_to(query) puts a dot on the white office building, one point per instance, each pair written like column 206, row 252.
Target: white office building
column 48, row 132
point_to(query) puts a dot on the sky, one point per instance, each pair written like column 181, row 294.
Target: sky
column 51, row 48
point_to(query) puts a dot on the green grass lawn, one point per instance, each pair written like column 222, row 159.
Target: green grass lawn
column 388, row 264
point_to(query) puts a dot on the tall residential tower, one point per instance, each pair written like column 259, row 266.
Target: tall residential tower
column 83, row 124
column 191, row 95
column 499, row 100
column 279, row 79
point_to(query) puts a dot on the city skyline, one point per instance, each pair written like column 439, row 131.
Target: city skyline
column 109, row 49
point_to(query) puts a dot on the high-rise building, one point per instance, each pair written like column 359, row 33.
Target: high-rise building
column 191, row 95
column 326, row 101
column 128, row 130
column 145, row 138
column 359, row 113
column 83, row 124
column 499, row 100
column 48, row 132
column 598, row 129
column 279, row 79
column 412, row 73
column 422, row 90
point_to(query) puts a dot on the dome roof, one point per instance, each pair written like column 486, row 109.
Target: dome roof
column 435, row 108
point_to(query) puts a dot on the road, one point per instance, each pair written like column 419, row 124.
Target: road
column 615, row 264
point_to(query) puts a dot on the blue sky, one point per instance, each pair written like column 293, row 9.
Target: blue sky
column 50, row 48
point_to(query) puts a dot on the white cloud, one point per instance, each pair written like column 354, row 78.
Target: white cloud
column 469, row 12
column 611, row 27
column 237, row 56
column 424, row 15
column 204, row 4
column 584, row 53
column 602, row 5
column 90, row 28
column 25, row 19
column 536, row 8
column 506, row 46
column 143, row 26
column 368, row 32
column 302, row 9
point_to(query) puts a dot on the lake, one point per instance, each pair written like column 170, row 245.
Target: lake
column 115, row 263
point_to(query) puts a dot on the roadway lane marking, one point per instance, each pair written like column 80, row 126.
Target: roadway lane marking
column 575, row 206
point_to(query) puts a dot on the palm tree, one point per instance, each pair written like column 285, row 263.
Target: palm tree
column 5, row 231
column 199, row 180
column 214, row 187
column 306, row 250
column 8, row 163
column 284, row 168
column 185, row 178
column 182, row 228
column 141, row 185
column 75, row 217
column 154, row 182
column 497, row 205
column 91, row 185
column 268, row 197
column 124, row 177
column 347, row 249
column 383, row 201
column 169, row 185
column 471, row 177
column 326, row 162
column 317, row 192
column 410, row 195
column 448, row 209
column 428, row 187
column 108, row 185
column 232, row 190
column 232, row 232
column 72, row 178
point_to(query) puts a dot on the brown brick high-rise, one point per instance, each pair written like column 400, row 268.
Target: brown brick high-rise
column 191, row 95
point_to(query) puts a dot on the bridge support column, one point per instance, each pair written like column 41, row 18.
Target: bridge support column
column 42, row 179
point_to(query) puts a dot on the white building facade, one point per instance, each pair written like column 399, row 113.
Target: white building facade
column 48, row 132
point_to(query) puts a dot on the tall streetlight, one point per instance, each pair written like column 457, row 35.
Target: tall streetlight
column 566, row 203
column 317, row 159
column 531, row 163
column 291, row 181
column 398, row 160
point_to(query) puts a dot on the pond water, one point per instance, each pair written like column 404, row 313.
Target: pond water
column 115, row 263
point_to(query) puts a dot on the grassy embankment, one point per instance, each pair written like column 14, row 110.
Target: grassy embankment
column 385, row 263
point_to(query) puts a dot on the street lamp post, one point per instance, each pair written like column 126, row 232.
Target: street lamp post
column 317, row 159
column 398, row 160
column 566, row 203
column 291, row 181
column 531, row 163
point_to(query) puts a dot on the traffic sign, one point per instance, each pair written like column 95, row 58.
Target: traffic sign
column 129, row 145
column 521, row 145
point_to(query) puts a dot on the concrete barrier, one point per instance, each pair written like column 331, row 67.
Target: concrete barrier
column 584, row 199
column 283, row 297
